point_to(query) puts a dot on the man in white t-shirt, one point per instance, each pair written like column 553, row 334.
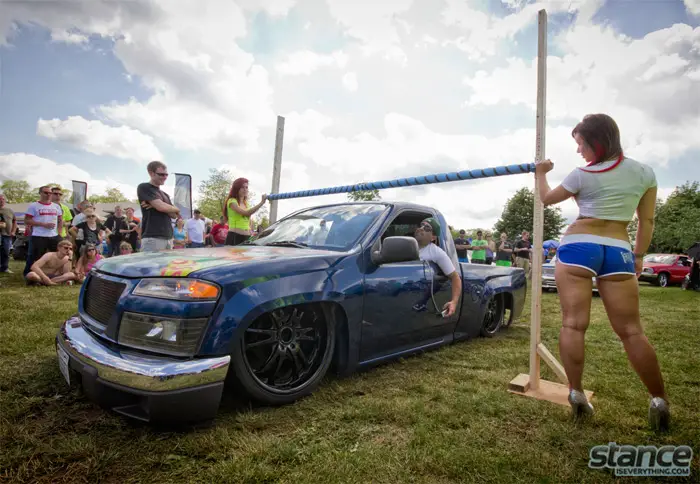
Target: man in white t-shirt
column 195, row 230
column 45, row 219
column 428, row 232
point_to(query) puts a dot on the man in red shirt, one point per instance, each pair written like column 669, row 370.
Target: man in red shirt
column 219, row 232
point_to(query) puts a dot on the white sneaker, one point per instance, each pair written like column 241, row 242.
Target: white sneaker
column 580, row 405
column 659, row 414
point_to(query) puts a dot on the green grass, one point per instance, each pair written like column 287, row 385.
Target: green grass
column 444, row 416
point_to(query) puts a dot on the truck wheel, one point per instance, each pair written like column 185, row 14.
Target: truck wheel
column 493, row 317
column 283, row 355
column 662, row 280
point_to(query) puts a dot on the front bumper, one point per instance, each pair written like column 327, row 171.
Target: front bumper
column 648, row 277
column 549, row 282
column 144, row 387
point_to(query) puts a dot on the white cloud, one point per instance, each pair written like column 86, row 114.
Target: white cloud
column 38, row 171
column 375, row 24
column 482, row 33
column 350, row 81
column 186, row 54
column 304, row 126
column 68, row 37
column 693, row 6
column 276, row 8
column 100, row 139
column 184, row 124
column 648, row 85
column 305, row 62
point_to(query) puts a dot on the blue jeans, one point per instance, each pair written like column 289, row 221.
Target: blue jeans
column 5, row 244
column 195, row 245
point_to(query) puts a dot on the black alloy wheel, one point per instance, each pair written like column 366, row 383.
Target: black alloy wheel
column 493, row 317
column 663, row 279
column 285, row 354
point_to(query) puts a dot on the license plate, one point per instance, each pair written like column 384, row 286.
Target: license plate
column 63, row 363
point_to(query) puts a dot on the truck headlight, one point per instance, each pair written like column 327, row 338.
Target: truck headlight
column 178, row 288
column 173, row 336
column 648, row 270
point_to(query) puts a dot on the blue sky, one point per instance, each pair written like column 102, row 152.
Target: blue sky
column 383, row 91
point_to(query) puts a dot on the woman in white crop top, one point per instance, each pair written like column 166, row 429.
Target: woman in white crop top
column 608, row 191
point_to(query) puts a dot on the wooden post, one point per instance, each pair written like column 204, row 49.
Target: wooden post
column 538, row 208
column 530, row 384
column 277, row 167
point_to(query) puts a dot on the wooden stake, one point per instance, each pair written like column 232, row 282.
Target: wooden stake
column 538, row 209
column 277, row 167
column 530, row 384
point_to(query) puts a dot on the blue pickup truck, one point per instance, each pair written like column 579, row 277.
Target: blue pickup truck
column 331, row 288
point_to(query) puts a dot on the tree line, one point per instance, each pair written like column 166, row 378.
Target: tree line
column 19, row 191
column 677, row 219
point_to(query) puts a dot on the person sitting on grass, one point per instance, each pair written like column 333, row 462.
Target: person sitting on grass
column 88, row 258
column 125, row 248
column 53, row 268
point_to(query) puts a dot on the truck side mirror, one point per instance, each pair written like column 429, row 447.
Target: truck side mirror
column 396, row 249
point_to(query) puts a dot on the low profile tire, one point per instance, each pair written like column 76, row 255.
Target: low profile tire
column 283, row 355
column 493, row 317
column 662, row 280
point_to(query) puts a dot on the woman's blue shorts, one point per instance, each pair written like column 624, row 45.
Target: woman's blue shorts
column 603, row 256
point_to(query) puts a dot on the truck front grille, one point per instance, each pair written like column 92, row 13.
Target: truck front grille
column 101, row 297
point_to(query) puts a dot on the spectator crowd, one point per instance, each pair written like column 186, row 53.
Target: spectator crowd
column 63, row 243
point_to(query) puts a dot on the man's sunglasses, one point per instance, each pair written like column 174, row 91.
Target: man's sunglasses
column 162, row 174
column 46, row 193
column 427, row 227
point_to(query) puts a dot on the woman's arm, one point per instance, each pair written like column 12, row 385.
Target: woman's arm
column 645, row 227
column 547, row 195
column 249, row 211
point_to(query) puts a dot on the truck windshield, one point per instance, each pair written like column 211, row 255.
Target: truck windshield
column 660, row 259
column 331, row 228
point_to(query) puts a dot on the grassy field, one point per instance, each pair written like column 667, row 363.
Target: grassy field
column 444, row 416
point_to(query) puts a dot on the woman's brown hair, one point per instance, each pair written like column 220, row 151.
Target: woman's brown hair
column 601, row 133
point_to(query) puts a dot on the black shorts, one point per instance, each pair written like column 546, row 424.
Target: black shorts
column 42, row 245
column 232, row 238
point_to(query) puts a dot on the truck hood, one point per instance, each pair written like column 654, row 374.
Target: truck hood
column 180, row 263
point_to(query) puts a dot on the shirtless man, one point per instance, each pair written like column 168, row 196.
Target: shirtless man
column 53, row 268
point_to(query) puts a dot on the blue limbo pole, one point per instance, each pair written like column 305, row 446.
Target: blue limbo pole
column 415, row 180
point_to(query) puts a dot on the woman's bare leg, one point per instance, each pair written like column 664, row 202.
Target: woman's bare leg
column 620, row 295
column 575, row 286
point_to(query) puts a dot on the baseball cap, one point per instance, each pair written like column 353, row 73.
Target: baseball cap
column 434, row 224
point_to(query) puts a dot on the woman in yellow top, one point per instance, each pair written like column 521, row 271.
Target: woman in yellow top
column 238, row 214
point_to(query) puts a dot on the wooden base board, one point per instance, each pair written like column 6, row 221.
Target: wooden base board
column 549, row 391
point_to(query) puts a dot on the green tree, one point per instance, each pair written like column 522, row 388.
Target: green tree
column 677, row 220
column 364, row 196
column 518, row 216
column 112, row 195
column 19, row 191
column 213, row 192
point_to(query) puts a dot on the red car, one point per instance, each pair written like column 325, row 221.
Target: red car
column 665, row 269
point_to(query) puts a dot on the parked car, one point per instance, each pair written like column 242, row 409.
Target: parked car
column 548, row 282
column 665, row 269
column 157, row 335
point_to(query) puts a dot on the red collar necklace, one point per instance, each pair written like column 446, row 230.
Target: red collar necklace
column 611, row 167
